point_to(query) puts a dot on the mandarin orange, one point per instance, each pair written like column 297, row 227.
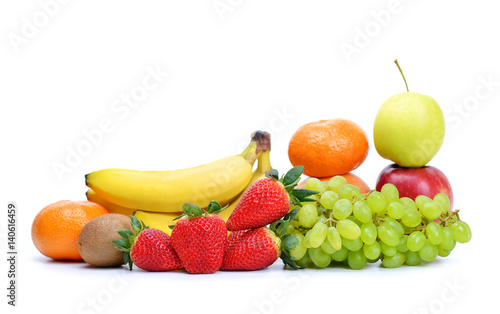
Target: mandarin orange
column 328, row 147
column 56, row 227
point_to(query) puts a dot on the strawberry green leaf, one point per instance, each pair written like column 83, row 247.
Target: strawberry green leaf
column 187, row 208
column 295, row 200
column 125, row 233
column 136, row 224
column 287, row 260
column 273, row 174
column 302, row 193
column 291, row 214
column 220, row 210
column 292, row 177
column 179, row 217
column 213, row 207
column 122, row 243
column 127, row 260
column 279, row 227
column 289, row 241
column 197, row 212
column 308, row 199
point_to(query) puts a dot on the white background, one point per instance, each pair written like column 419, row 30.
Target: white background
column 271, row 65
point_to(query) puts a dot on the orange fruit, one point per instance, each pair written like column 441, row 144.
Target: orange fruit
column 57, row 226
column 351, row 178
column 328, row 147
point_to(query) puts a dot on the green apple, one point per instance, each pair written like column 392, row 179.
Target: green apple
column 409, row 129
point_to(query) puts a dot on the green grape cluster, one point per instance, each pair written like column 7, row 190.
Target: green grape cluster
column 345, row 226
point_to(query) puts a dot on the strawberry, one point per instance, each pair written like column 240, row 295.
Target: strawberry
column 199, row 238
column 148, row 249
column 253, row 249
column 259, row 248
column 234, row 236
column 268, row 200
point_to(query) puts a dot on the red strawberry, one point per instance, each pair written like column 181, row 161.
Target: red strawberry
column 234, row 236
column 148, row 249
column 199, row 238
column 251, row 250
column 268, row 200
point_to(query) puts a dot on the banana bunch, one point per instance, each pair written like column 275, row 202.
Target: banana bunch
column 157, row 197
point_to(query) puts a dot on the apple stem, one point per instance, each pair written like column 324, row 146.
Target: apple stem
column 396, row 61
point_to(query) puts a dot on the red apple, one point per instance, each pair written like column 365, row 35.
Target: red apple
column 412, row 182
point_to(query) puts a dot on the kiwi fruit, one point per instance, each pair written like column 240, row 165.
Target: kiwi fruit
column 95, row 242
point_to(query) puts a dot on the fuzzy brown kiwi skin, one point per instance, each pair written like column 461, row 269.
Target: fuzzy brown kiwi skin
column 95, row 242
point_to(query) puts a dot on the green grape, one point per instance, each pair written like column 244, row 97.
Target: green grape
column 348, row 229
column 387, row 250
column 335, row 183
column 403, row 244
column 443, row 201
column 356, row 259
column 290, row 228
column 305, row 261
column 372, row 251
column 416, row 241
column 315, row 185
column 395, row 210
column 431, row 210
column 340, row 255
column 376, row 201
column 461, row 232
column 307, row 239
column 368, row 233
column 390, row 192
column 355, row 220
column 394, row 225
column 328, row 199
column 434, row 232
column 394, row 261
column 327, row 247
column 318, row 234
column 408, row 203
column 300, row 249
column 334, row 238
column 413, row 259
column 448, row 241
column 443, row 252
column 421, row 200
column 342, row 209
column 388, row 235
column 349, row 192
column 411, row 218
column 428, row 252
column 308, row 215
column 468, row 229
column 352, row 245
column 319, row 257
column 362, row 212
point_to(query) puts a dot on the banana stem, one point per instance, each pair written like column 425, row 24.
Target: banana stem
column 264, row 161
column 261, row 141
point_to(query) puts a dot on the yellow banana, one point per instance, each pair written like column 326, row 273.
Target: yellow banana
column 263, row 166
column 159, row 221
column 113, row 208
column 167, row 191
